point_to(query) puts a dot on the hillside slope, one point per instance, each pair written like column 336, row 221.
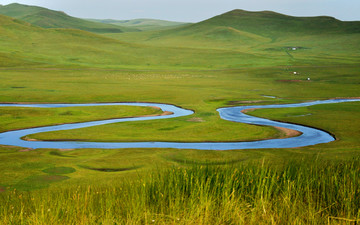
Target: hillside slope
column 46, row 18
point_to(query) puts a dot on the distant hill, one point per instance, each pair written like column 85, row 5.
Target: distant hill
column 272, row 24
column 47, row 18
column 239, row 29
column 142, row 24
column 220, row 42
column 241, row 24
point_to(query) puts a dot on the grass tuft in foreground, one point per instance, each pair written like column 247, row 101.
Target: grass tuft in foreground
column 298, row 192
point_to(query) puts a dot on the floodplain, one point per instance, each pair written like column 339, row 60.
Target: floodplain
column 201, row 67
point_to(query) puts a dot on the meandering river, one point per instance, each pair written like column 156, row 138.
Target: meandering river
column 309, row 136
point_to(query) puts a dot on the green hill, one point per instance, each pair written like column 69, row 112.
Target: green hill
column 238, row 24
column 274, row 25
column 142, row 24
column 54, row 19
column 214, row 43
column 257, row 32
column 23, row 44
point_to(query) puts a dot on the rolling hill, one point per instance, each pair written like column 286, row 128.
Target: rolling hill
column 225, row 41
column 47, row 18
column 258, row 32
column 273, row 25
column 263, row 25
column 142, row 24
column 23, row 44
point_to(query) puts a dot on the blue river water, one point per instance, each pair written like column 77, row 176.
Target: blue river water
column 309, row 136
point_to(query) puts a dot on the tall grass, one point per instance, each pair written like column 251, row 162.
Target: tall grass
column 298, row 192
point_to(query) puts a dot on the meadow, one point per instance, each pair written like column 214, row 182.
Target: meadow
column 204, row 70
column 300, row 192
column 88, row 172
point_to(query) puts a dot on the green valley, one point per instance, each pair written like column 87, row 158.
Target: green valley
column 234, row 59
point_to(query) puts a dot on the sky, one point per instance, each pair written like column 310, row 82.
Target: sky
column 195, row 10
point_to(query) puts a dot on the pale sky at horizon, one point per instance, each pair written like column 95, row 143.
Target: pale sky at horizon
column 195, row 10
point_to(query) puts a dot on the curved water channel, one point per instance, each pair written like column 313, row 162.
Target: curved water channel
column 309, row 136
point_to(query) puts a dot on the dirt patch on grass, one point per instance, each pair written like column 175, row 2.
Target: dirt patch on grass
column 248, row 110
column 25, row 150
column 155, row 107
column 29, row 139
column 2, row 189
column 166, row 113
column 196, row 119
column 287, row 133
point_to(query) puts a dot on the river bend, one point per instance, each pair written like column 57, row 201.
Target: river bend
column 309, row 136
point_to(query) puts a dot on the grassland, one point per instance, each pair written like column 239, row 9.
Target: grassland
column 200, row 67
column 305, row 192
column 202, row 91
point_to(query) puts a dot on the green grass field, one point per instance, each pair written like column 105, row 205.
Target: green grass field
column 202, row 67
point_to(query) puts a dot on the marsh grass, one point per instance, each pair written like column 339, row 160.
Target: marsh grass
column 297, row 192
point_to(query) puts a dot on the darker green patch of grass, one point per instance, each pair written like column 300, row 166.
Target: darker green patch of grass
column 18, row 87
column 67, row 113
column 169, row 128
column 107, row 169
column 60, row 154
column 206, row 114
column 59, row 170
column 35, row 165
column 6, row 151
column 38, row 182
